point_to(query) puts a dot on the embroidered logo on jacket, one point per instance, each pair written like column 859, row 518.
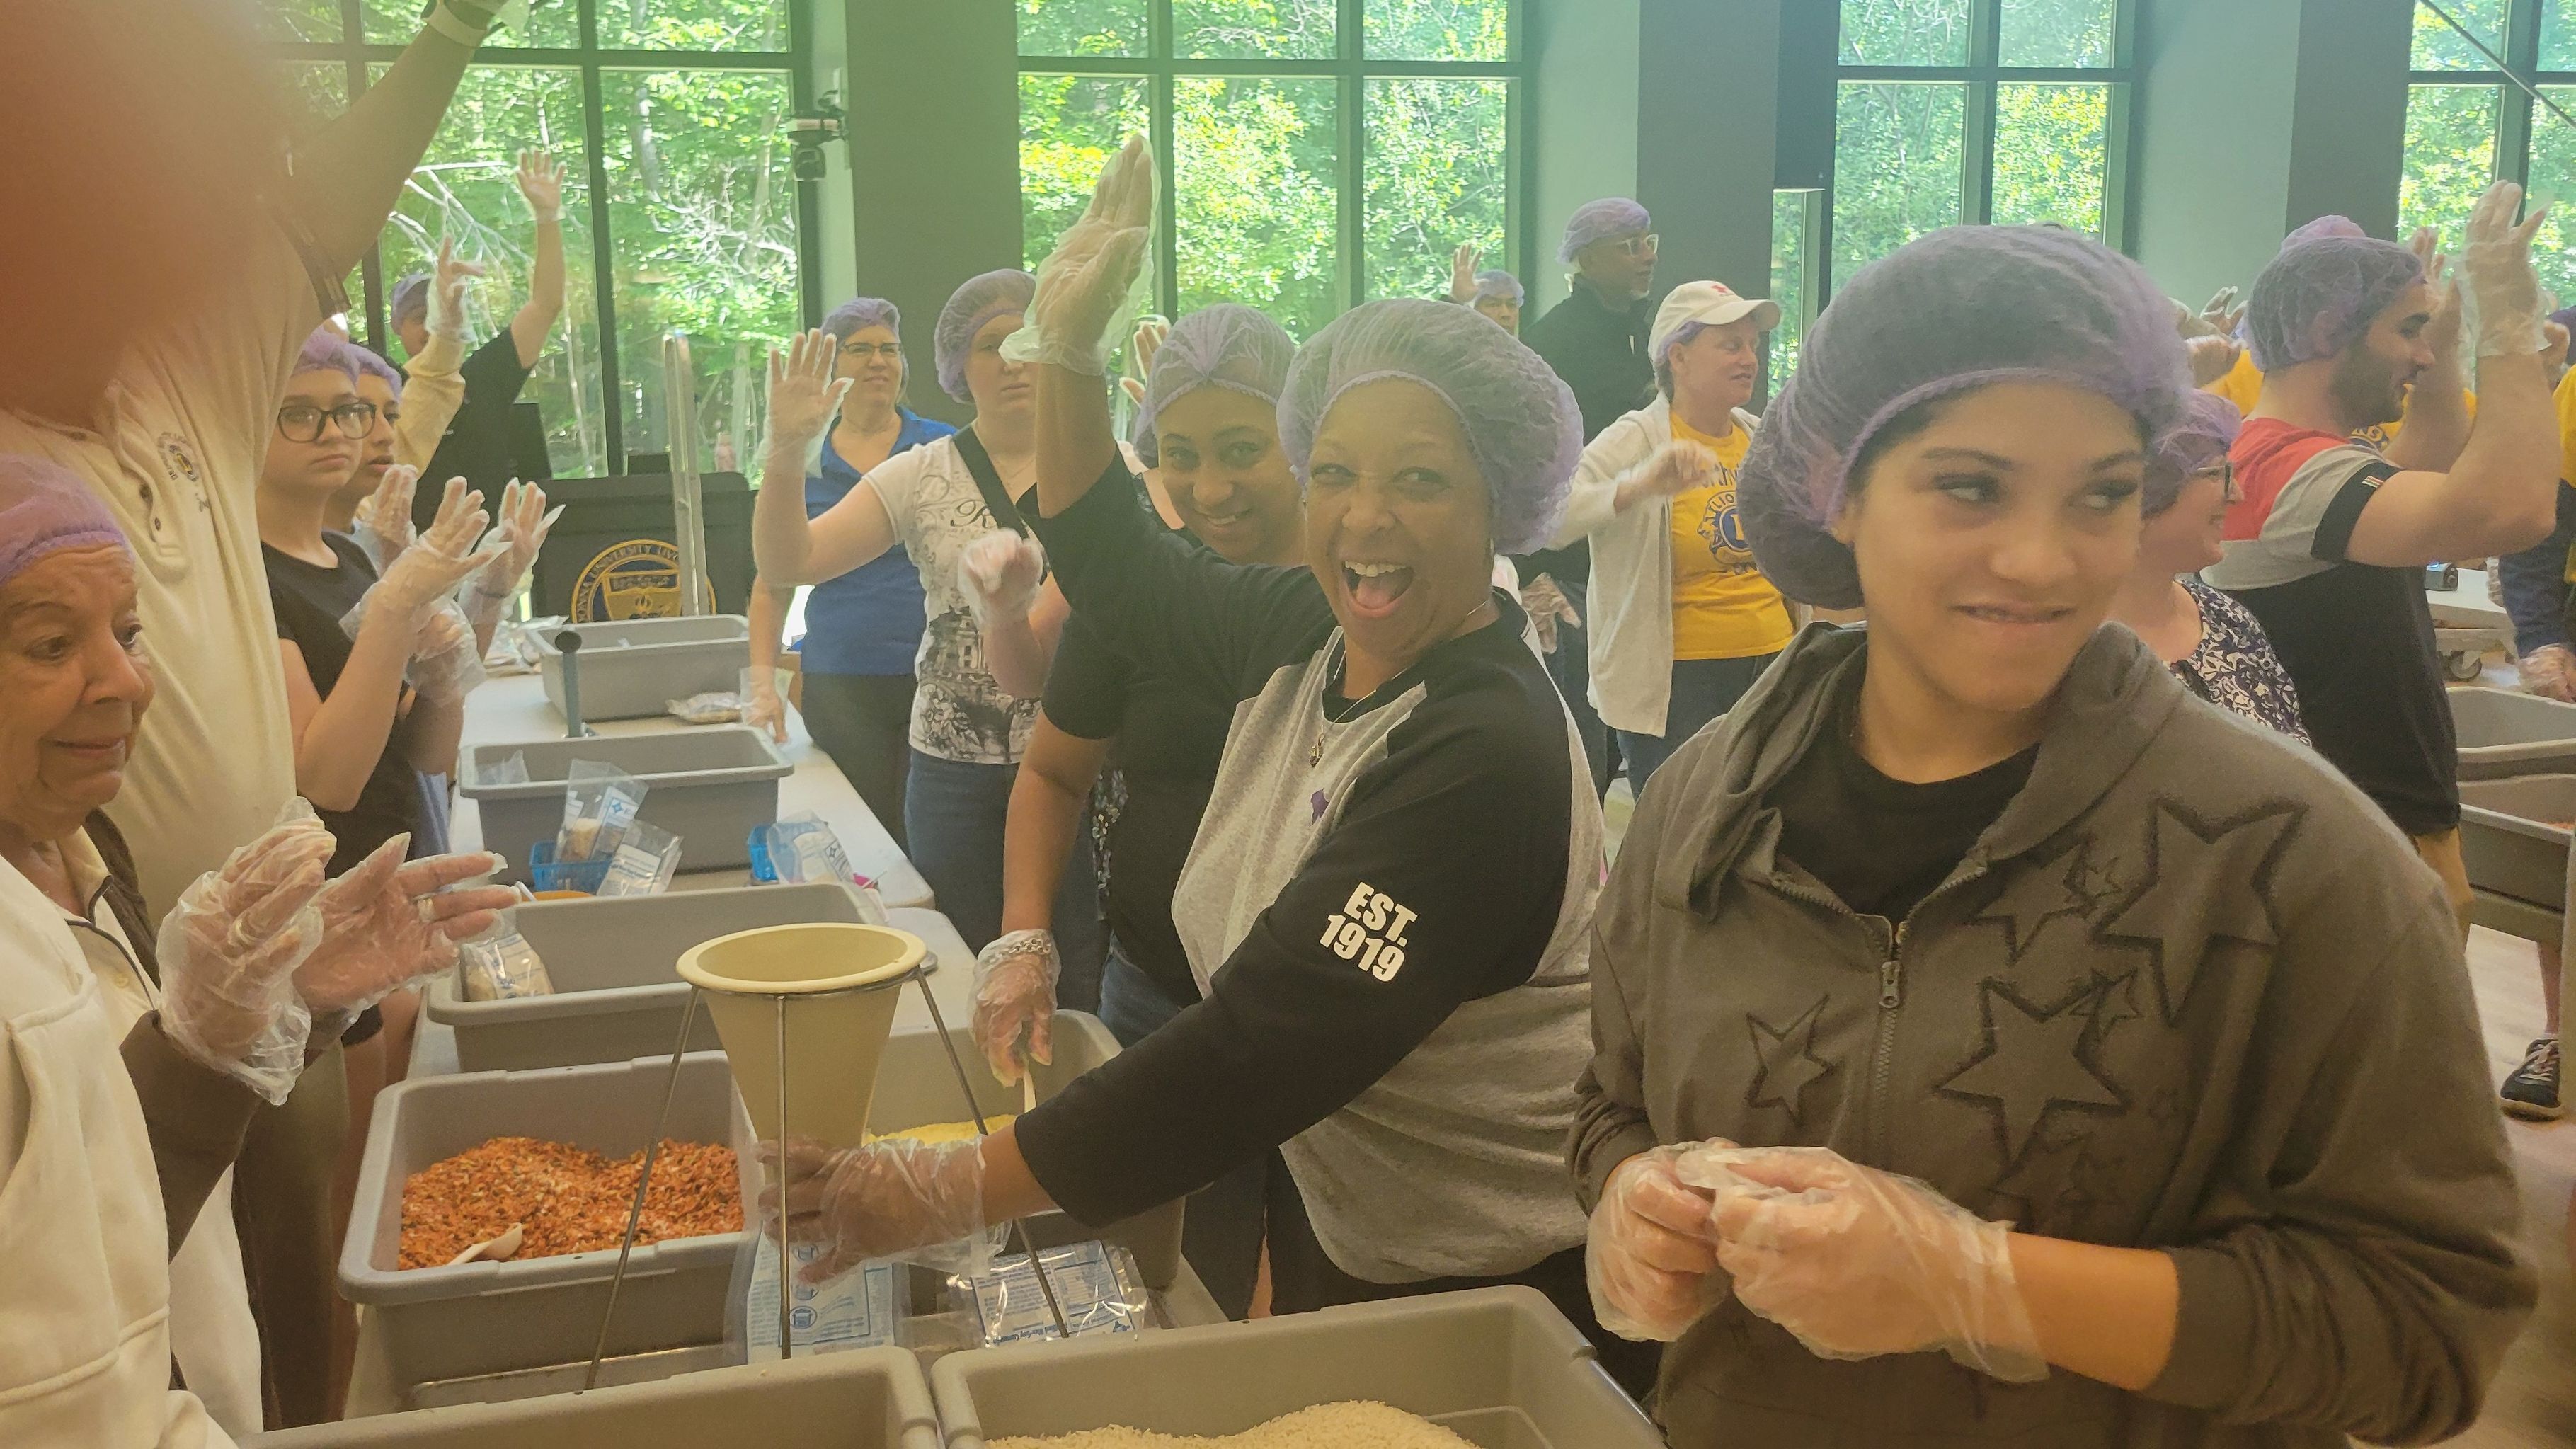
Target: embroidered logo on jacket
column 1369, row 932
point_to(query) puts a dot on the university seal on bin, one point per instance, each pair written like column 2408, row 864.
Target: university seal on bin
column 637, row 579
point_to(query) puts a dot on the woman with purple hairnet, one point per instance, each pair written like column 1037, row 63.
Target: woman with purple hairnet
column 954, row 505
column 2213, row 644
column 1996, row 1043
column 132, row 1057
column 1384, row 911
column 863, row 628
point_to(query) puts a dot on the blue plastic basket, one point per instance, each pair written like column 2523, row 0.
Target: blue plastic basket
column 546, row 874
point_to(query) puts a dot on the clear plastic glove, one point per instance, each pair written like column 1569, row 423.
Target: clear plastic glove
column 999, row 574
column 2212, row 357
column 387, row 922
column 1857, row 1263
column 1462, row 273
column 446, row 315
column 421, row 577
column 445, row 665
column 2550, row 672
column 762, row 708
column 519, row 533
column 1547, row 607
column 1142, row 349
column 383, row 527
column 1015, row 980
column 2223, row 314
column 541, row 181
column 1650, row 1255
column 1095, row 278
column 873, row 1201
column 229, row 951
column 804, row 396
column 2495, row 262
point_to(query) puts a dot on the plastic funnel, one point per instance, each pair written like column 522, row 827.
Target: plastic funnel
column 840, row 984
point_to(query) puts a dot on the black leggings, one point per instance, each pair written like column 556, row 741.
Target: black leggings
column 1304, row 1278
column 864, row 722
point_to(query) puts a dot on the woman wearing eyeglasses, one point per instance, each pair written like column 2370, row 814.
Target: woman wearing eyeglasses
column 863, row 628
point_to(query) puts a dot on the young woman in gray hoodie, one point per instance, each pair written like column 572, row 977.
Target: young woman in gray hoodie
column 1996, row 1043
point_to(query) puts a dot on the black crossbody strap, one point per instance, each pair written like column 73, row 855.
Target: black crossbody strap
column 988, row 481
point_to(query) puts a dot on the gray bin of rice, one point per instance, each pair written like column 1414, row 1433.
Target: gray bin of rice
column 866, row 1399
column 481, row 1319
column 711, row 787
column 634, row 669
column 614, row 963
column 1498, row 1366
column 2505, row 733
column 917, row 1087
column 2514, row 834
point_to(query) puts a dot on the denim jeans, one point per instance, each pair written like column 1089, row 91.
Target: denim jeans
column 1703, row 689
column 954, row 814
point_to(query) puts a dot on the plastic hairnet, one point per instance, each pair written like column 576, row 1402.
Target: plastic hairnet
column 2323, row 228
column 370, row 365
column 2197, row 442
column 859, row 314
column 410, row 298
column 327, row 351
column 1495, row 282
column 1005, row 293
column 1519, row 419
column 2319, row 296
column 1228, row 346
column 44, row 509
column 1594, row 221
column 1959, row 309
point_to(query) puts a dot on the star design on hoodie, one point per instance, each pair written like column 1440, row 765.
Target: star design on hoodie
column 2077, row 892
column 2205, row 881
column 2033, row 1061
column 1788, row 1061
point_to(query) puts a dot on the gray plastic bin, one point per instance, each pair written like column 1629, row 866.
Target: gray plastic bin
column 2514, row 833
column 1499, row 1366
column 492, row 1318
column 614, row 964
column 916, row 1086
column 635, row 669
column 711, row 787
column 2504, row 733
column 865, row 1399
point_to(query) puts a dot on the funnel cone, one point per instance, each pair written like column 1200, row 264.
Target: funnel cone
column 839, row 984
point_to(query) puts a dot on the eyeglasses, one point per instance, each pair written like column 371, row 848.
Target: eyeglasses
column 302, row 422
column 890, row 351
column 1638, row 246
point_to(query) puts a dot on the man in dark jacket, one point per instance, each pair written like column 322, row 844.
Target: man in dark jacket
column 1596, row 341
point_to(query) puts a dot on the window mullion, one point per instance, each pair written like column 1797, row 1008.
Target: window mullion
column 1349, row 42
column 1977, row 146
column 1159, row 49
column 603, row 251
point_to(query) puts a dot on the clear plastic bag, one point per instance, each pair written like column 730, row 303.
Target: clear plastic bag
column 512, row 771
column 802, row 850
column 859, row 1309
column 500, row 965
column 1095, row 1284
column 646, row 859
column 600, row 805
column 713, row 707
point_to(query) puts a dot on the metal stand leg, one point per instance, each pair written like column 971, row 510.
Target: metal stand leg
column 643, row 1181
column 786, row 1280
column 1037, row 1265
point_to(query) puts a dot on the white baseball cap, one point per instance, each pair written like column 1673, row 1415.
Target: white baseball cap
column 1713, row 304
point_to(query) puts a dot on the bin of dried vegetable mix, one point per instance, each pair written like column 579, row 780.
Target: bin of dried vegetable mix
column 564, row 1199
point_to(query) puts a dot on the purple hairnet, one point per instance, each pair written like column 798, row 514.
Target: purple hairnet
column 2320, row 295
column 1005, row 293
column 1497, row 283
column 370, row 365
column 1229, row 346
column 859, row 314
column 327, row 351
column 1958, row 309
column 410, row 299
column 2197, row 442
column 44, row 509
column 2324, row 228
column 1519, row 419
column 1601, row 220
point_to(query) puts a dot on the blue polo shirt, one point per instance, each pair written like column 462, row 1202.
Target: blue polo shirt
column 869, row 620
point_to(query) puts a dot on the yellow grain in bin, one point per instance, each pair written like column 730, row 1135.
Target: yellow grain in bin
column 839, row 984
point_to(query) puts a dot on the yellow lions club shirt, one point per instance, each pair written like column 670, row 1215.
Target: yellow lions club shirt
column 1723, row 608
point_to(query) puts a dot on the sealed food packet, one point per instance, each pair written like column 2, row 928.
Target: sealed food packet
column 802, row 849
column 646, row 859
column 500, row 965
column 854, row 1310
column 1095, row 1284
column 600, row 804
column 711, row 708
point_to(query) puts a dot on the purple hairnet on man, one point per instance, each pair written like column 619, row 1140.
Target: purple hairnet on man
column 2319, row 295
column 1520, row 421
column 1959, row 309
column 1610, row 218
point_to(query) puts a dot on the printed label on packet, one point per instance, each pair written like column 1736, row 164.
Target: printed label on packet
column 855, row 1310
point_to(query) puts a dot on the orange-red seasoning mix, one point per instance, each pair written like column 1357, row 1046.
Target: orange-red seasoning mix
column 569, row 1200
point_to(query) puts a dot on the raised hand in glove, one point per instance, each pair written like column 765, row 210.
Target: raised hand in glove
column 421, row 577
column 1143, row 348
column 1547, row 607
column 2550, row 672
column 2212, row 357
column 541, row 181
column 1650, row 1254
column 999, row 574
column 388, row 922
column 2223, row 314
column 229, row 950
column 1857, row 1263
column 383, row 526
column 804, row 396
column 2495, row 263
column 1462, row 274
column 873, row 1201
column 1091, row 277
column 446, row 316
column 1015, row 980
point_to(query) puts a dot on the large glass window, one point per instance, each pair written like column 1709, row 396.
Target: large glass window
column 1952, row 111
column 2471, row 121
column 1315, row 153
column 680, row 207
